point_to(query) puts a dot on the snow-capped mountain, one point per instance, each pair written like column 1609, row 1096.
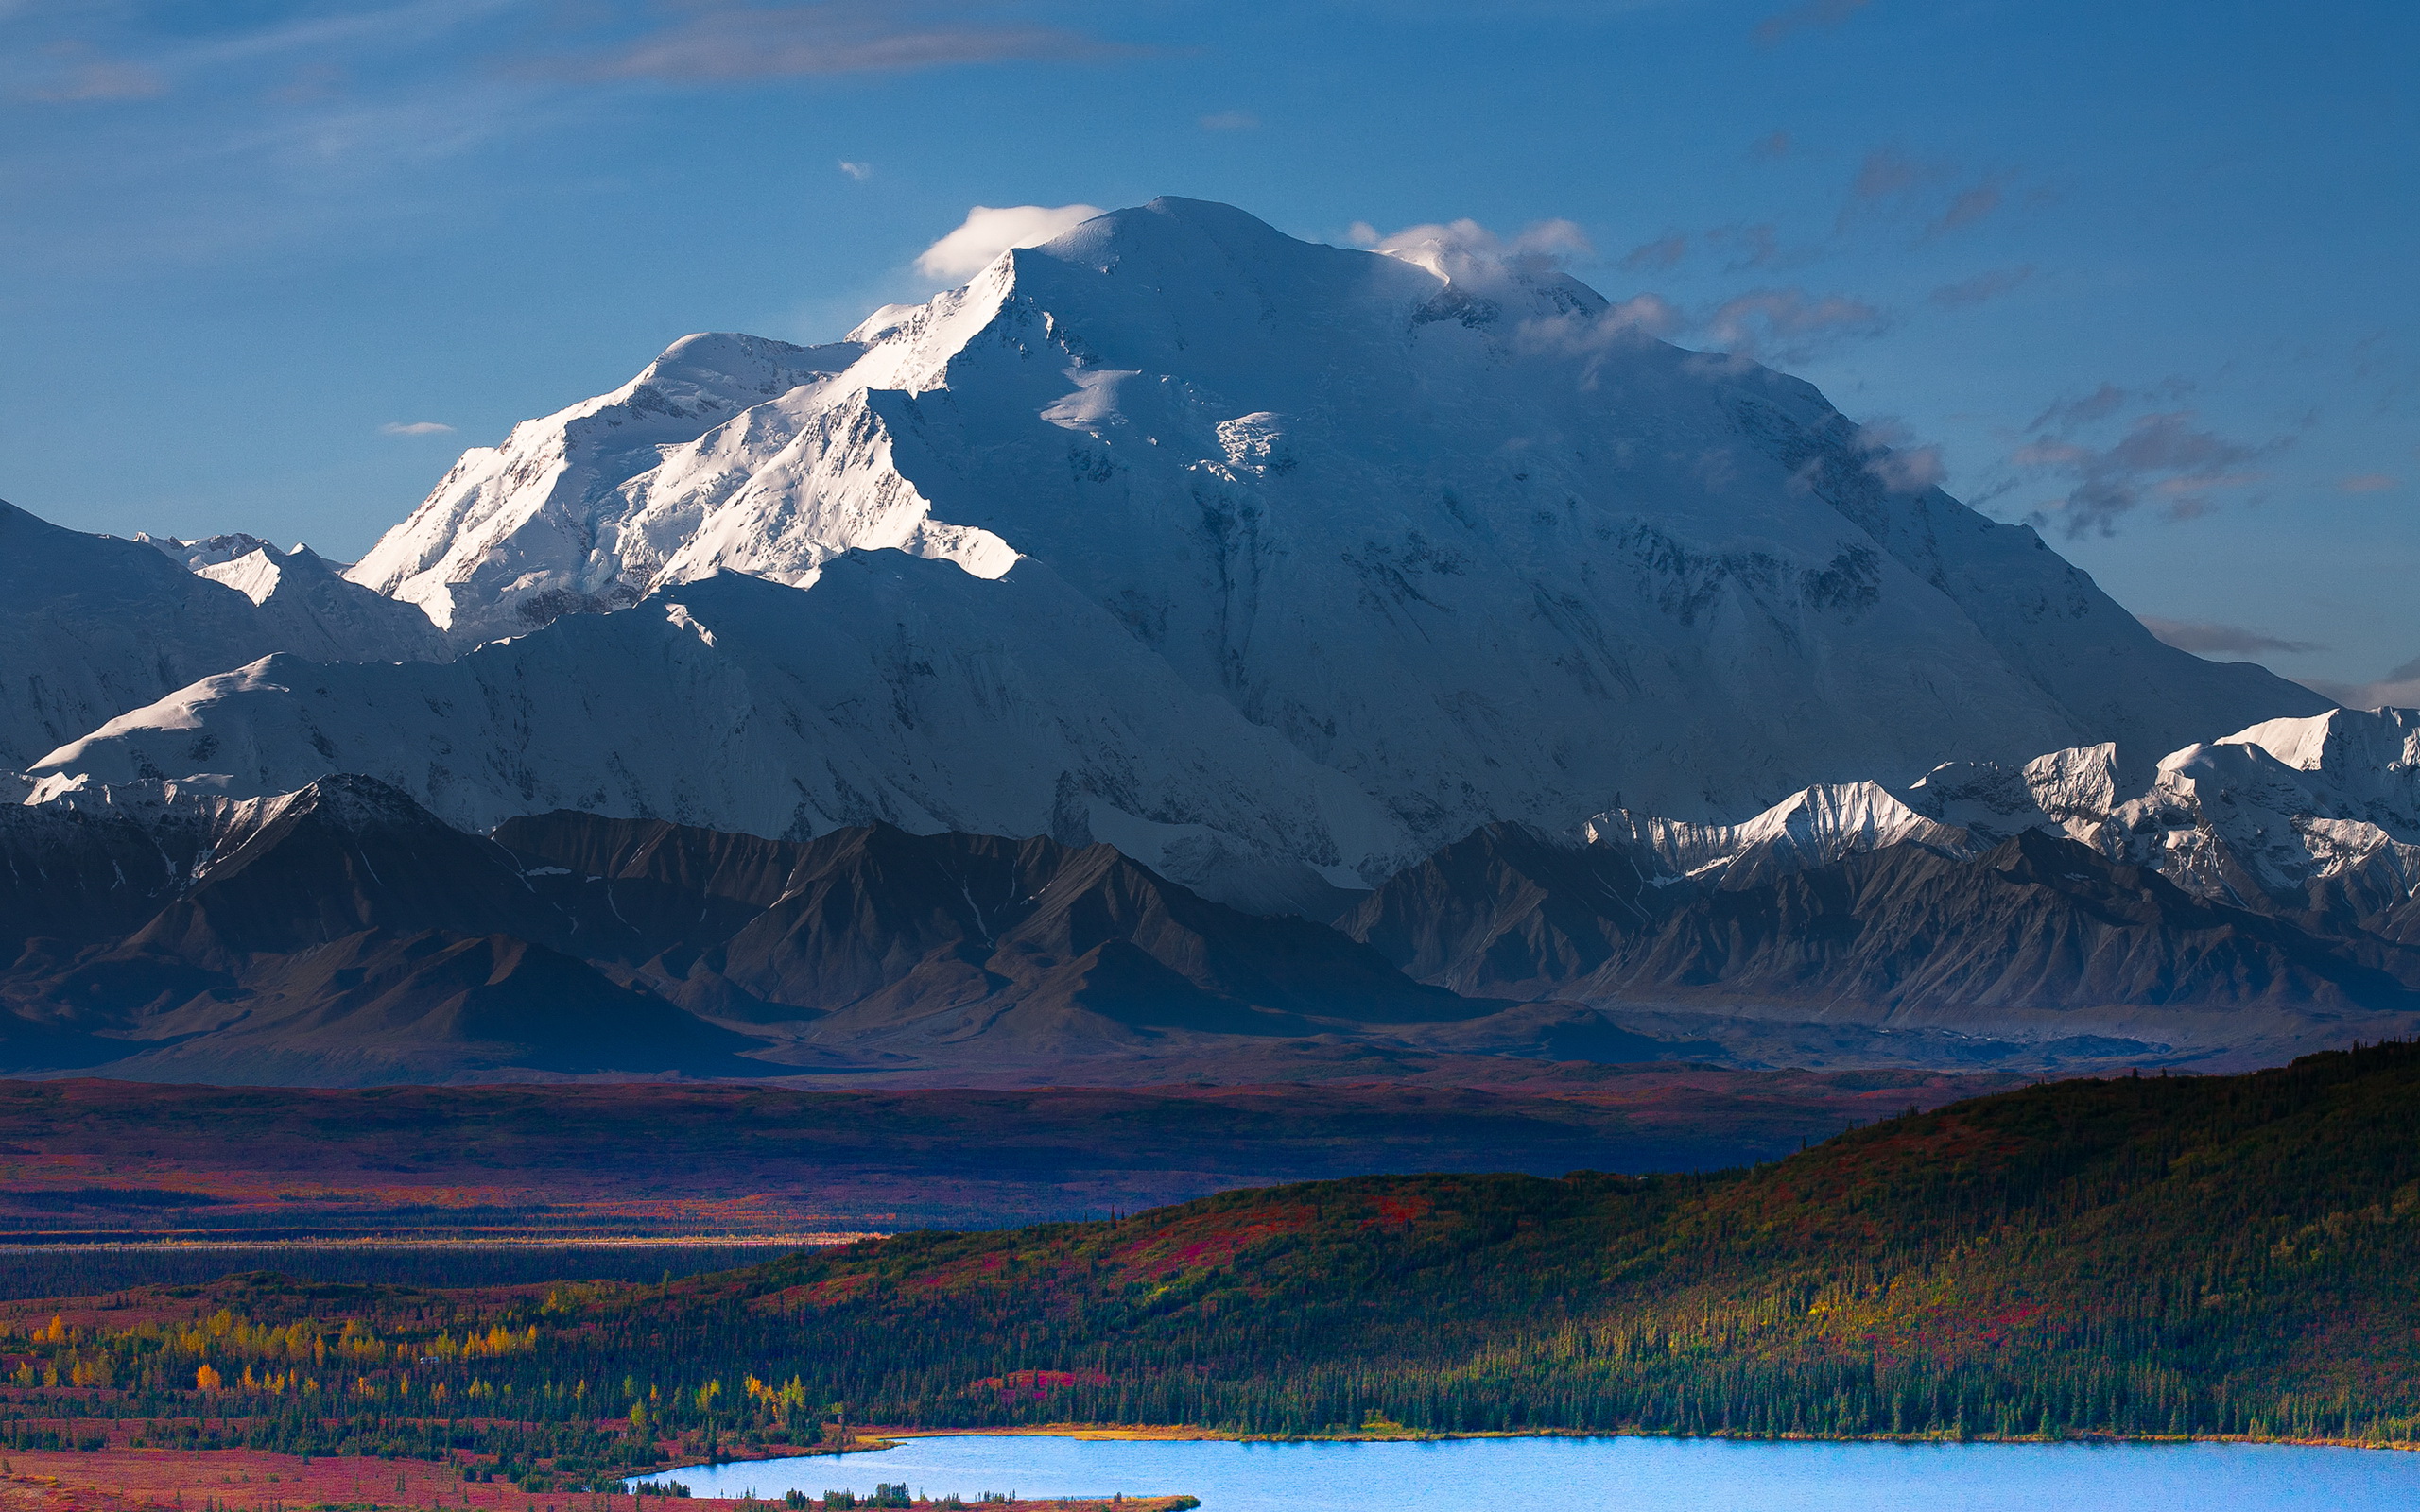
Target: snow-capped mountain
column 900, row 689
column 1257, row 558
column 2319, row 815
column 309, row 604
column 92, row 625
column 1811, row 828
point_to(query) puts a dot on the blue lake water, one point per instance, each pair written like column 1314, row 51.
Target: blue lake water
column 1651, row 1474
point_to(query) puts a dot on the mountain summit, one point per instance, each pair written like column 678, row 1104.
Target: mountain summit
column 1276, row 565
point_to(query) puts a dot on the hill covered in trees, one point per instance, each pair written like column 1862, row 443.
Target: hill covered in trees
column 2143, row 1256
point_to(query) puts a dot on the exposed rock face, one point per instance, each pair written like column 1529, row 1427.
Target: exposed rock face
column 335, row 934
column 2037, row 934
column 343, row 933
column 874, row 935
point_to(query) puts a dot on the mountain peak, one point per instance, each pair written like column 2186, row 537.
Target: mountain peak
column 1259, row 558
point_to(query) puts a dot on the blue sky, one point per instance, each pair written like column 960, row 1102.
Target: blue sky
column 2142, row 271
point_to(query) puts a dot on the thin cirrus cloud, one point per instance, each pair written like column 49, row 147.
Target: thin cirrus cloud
column 1971, row 206
column 1747, row 246
column 1890, row 182
column 2161, row 458
column 2398, row 689
column 1230, row 121
column 859, row 171
column 2367, row 482
column 1809, row 16
column 718, row 42
column 1664, row 252
column 1986, row 286
column 417, row 428
column 2202, row 637
column 1791, row 324
column 990, row 230
column 97, row 79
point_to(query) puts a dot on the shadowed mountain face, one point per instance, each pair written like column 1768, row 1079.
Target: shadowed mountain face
column 873, row 934
column 342, row 934
column 2038, row 930
column 92, row 625
column 1514, row 908
column 336, row 934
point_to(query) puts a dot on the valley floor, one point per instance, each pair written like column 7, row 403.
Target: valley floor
column 84, row 1164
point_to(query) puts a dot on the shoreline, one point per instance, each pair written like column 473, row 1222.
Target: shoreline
column 1133, row 1432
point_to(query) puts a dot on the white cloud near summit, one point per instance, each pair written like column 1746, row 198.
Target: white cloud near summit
column 988, row 230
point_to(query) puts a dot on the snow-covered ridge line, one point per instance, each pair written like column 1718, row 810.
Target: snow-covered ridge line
column 1277, row 565
column 93, row 626
column 2266, row 815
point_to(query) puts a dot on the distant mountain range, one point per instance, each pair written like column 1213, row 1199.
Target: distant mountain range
column 1026, row 682
column 342, row 934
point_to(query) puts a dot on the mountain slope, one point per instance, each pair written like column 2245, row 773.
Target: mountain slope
column 2315, row 819
column 1511, row 911
column 2141, row 1257
column 1443, row 533
column 899, row 690
column 92, row 626
column 880, row 941
column 342, row 934
column 2039, row 936
column 337, row 935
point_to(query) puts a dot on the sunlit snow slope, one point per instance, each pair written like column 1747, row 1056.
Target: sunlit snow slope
column 1391, row 546
column 93, row 626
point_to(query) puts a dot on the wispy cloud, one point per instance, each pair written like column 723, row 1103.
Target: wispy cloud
column 2398, row 689
column 1972, row 205
column 86, row 77
column 1811, row 15
column 1230, row 121
column 1663, row 253
column 1888, row 173
column 859, row 171
column 2106, row 401
column 417, row 428
column 2367, row 482
column 1893, row 456
column 1756, row 246
column 1791, row 324
column 725, row 41
column 1990, row 284
column 1891, row 184
column 988, row 230
column 1771, row 324
column 2202, row 637
column 1771, row 147
column 2162, row 459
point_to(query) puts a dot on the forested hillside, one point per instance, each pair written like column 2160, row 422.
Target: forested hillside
column 2139, row 1256
column 2133, row 1256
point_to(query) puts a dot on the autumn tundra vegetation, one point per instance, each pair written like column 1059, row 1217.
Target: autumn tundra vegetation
column 2138, row 1256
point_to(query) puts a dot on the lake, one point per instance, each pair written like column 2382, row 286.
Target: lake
column 1656, row 1474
